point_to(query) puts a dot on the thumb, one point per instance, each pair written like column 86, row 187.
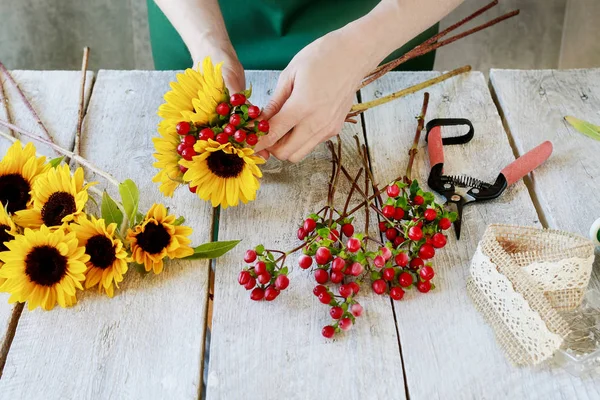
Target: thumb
column 282, row 92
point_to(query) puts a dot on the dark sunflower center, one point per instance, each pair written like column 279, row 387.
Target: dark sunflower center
column 101, row 251
column 58, row 206
column 45, row 266
column 4, row 237
column 225, row 165
column 154, row 238
column 14, row 192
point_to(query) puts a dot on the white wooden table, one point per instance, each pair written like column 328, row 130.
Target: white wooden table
column 149, row 341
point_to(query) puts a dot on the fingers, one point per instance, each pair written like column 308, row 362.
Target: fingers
column 282, row 92
column 283, row 122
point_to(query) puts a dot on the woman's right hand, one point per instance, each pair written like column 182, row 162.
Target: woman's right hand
column 232, row 69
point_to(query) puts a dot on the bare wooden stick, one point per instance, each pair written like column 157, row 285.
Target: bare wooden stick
column 414, row 148
column 4, row 101
column 360, row 171
column 84, row 65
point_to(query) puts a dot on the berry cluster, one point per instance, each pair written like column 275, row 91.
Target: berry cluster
column 267, row 277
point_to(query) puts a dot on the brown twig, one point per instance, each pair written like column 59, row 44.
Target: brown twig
column 4, row 101
column 360, row 171
column 366, row 193
column 84, row 65
column 414, row 148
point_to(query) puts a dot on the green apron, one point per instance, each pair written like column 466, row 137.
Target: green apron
column 266, row 34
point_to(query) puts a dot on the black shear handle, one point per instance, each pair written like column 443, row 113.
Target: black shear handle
column 451, row 122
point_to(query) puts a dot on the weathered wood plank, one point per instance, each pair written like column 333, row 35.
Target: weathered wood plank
column 534, row 104
column 55, row 97
column 147, row 342
column 449, row 352
column 275, row 350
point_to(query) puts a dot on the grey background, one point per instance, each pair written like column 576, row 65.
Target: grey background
column 42, row 34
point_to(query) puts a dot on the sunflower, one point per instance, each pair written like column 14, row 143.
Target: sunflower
column 169, row 176
column 43, row 267
column 18, row 170
column 108, row 258
column 158, row 237
column 57, row 197
column 223, row 173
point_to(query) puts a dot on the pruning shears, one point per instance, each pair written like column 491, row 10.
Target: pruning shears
column 460, row 190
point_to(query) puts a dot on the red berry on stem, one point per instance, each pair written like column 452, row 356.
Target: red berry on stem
column 206, row 134
column 229, row 129
column 416, row 263
column 388, row 274
column 250, row 256
column 193, row 189
column 402, row 259
column 222, row 138
column 181, row 147
column 338, row 264
column 324, row 297
column 379, row 261
column 354, row 286
column 418, row 200
column 321, row 276
column 263, row 126
column 244, row 277
column 188, row 140
column 301, row 233
column 264, row 278
column 182, row 128
column 398, row 241
column 393, row 190
column 304, row 261
column 426, row 252
column 235, row 119
column 282, row 282
column 388, row 211
column 336, row 277
column 430, row 214
column 336, row 312
column 319, row 289
column 323, row 255
column 356, row 309
column 427, row 273
column 334, row 235
column 405, row 279
column 183, row 169
column 386, row 253
column 348, row 230
column 253, row 112
column 237, row 99
column 188, row 153
column 353, row 245
column 424, row 286
column 445, row 223
column 438, row 240
column 257, row 294
column 223, row 109
column 239, row 136
column 346, row 291
column 396, row 293
column 251, row 283
column 271, row 293
column 309, row 225
column 391, row 233
column 398, row 213
column 415, row 233
column 345, row 324
column 260, row 268
column 251, row 139
column 379, row 286
column 356, row 269
column 383, row 226
column 328, row 331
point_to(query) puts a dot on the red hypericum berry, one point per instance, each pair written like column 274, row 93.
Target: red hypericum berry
column 264, row 278
column 324, row 297
column 223, row 109
column 181, row 147
column 348, row 230
column 282, row 282
column 346, row 291
column 416, row 263
column 391, row 233
column 251, row 283
column 383, row 226
column 304, row 261
column 338, row 264
column 345, row 324
column 393, row 190
column 336, row 277
column 386, row 253
column 334, row 235
column 354, row 286
column 427, row 273
column 396, row 293
column 398, row 213
column 379, row 261
column 353, row 245
column 237, row 99
column 182, row 128
column 257, row 294
column 379, row 286
column 402, row 259
column 206, row 134
column 183, row 169
column 388, row 211
column 260, row 268
column 398, row 241
column 253, row 112
column 251, row 139
column 445, row 223
column 424, row 286
column 235, row 119
column 426, row 252
column 415, row 233
column 405, row 279
column 193, row 189
column 430, row 214
column 271, row 293
column 388, row 274
column 239, row 136
column 356, row 309
column 356, row 269
column 244, row 277
column 336, row 312
column 229, row 129
column 438, row 240
column 301, row 233
column 222, row 138
column 328, row 331
column 250, row 256
column 418, row 200
column 188, row 140
column 319, row 289
column 321, row 276
column 309, row 225
column 323, row 255
column 188, row 153
column 263, row 126
column 419, row 223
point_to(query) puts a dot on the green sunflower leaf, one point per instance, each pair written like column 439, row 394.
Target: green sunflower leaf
column 110, row 211
column 179, row 220
column 592, row 131
column 212, row 249
column 55, row 162
column 130, row 197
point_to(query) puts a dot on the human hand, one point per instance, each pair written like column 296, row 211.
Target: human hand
column 233, row 72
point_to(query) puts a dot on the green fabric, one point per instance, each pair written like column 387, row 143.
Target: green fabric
column 266, row 34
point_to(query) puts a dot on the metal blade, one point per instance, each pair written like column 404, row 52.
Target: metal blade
column 457, row 207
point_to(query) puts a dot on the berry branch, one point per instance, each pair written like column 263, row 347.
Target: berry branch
column 414, row 148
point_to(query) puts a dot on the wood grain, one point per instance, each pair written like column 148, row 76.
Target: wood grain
column 147, row 342
column 55, row 97
column 275, row 350
column 449, row 352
